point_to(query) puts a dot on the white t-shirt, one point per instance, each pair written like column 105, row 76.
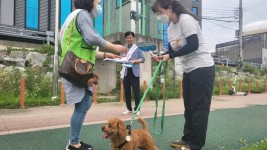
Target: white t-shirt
column 177, row 33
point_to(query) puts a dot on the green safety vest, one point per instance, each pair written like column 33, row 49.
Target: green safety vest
column 77, row 44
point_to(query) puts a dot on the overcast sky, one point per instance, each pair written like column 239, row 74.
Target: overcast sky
column 215, row 32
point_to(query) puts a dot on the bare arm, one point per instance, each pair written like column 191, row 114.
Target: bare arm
column 104, row 55
column 115, row 48
column 86, row 28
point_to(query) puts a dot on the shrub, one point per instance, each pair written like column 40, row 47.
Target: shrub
column 45, row 49
column 261, row 145
column 260, row 87
column 154, row 94
column 10, row 81
column 37, row 85
column 37, row 89
column 225, row 86
column 9, row 49
column 219, row 68
column 255, row 70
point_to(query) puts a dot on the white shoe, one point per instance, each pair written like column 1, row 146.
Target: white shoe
column 127, row 112
column 137, row 113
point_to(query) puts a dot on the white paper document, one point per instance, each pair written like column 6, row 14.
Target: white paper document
column 116, row 60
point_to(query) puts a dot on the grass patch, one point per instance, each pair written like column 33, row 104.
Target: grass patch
column 9, row 101
column 105, row 100
column 261, row 145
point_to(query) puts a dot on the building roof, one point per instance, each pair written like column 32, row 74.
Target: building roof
column 257, row 31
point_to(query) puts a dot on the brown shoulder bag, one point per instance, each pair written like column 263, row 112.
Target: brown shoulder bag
column 76, row 70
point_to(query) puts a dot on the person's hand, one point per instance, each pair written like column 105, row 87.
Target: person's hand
column 156, row 58
column 120, row 48
column 112, row 56
column 132, row 61
column 93, row 80
column 165, row 57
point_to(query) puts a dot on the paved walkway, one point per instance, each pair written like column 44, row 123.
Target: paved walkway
column 51, row 117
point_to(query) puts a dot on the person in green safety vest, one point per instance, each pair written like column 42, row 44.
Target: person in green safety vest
column 78, row 35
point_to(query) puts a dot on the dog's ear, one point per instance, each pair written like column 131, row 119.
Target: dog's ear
column 122, row 128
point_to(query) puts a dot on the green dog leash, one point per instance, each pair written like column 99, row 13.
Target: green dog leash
column 157, row 72
column 162, row 71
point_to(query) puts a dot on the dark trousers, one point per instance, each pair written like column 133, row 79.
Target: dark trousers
column 130, row 81
column 197, row 93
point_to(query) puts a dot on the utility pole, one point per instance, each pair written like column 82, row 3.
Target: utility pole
column 137, row 21
column 241, row 36
column 55, row 68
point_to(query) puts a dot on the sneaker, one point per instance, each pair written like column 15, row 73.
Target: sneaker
column 88, row 146
column 137, row 113
column 185, row 147
column 74, row 148
column 127, row 112
column 178, row 144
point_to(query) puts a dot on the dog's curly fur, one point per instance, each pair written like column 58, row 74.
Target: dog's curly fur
column 116, row 131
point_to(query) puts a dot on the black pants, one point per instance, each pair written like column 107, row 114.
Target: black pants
column 131, row 81
column 197, row 93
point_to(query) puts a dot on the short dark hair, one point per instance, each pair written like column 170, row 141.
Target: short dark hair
column 84, row 4
column 129, row 33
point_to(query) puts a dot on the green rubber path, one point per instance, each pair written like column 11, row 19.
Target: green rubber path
column 226, row 128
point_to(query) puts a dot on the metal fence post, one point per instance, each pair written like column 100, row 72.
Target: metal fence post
column 22, row 93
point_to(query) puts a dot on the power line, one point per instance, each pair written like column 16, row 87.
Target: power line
column 212, row 33
column 217, row 13
column 217, row 17
column 210, row 9
column 221, row 25
column 218, row 20
column 218, row 6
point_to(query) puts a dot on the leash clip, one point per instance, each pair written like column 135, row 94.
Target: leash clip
column 128, row 137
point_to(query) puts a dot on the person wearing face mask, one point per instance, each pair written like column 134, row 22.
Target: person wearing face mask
column 78, row 35
column 186, row 41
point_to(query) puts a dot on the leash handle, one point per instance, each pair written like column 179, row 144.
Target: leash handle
column 163, row 106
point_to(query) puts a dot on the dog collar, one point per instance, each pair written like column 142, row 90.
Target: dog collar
column 121, row 145
column 128, row 138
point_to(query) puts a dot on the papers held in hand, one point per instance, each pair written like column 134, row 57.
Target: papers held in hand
column 120, row 60
column 116, row 60
column 127, row 65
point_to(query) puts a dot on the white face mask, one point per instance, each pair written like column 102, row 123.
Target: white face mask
column 163, row 18
column 98, row 10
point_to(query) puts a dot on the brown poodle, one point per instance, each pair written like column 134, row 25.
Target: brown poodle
column 116, row 131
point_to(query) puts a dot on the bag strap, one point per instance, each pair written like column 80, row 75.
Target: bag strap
column 71, row 28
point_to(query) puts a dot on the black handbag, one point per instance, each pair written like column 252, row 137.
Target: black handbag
column 74, row 69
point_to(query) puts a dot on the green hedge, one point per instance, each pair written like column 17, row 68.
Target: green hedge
column 244, row 82
column 38, row 89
